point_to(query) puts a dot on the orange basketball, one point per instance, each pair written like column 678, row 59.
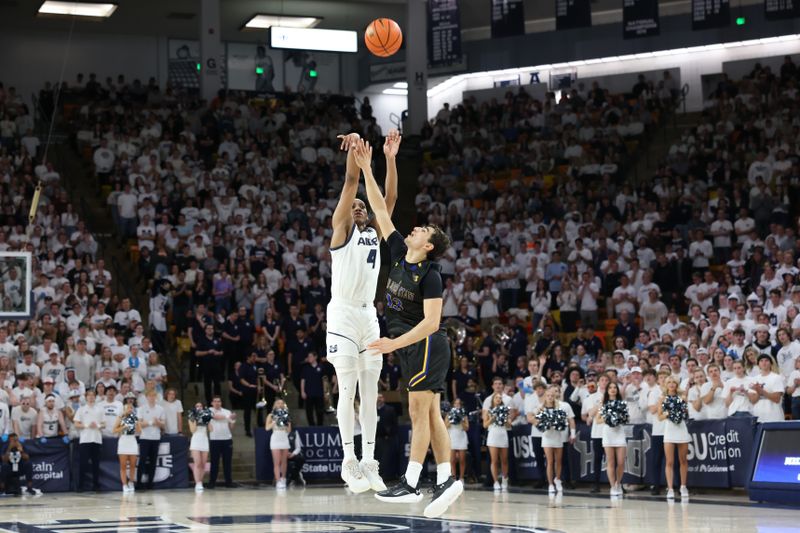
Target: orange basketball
column 383, row 37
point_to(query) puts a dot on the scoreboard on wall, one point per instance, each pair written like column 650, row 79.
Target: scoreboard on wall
column 710, row 14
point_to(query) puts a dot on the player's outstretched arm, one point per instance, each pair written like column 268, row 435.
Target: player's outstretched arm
column 363, row 157
column 432, row 307
column 390, row 148
column 343, row 215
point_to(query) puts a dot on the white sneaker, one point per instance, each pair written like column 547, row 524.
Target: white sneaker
column 351, row 474
column 496, row 485
column 684, row 493
column 559, row 487
column 198, row 487
column 370, row 470
column 131, row 486
column 551, row 489
column 504, row 483
column 125, row 489
column 670, row 494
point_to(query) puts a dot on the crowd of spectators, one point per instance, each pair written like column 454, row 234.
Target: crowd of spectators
column 693, row 270
column 77, row 334
column 561, row 271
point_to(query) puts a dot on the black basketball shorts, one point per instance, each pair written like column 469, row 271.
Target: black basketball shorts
column 426, row 363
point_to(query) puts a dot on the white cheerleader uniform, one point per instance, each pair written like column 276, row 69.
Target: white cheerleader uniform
column 458, row 437
column 614, row 437
column 676, row 433
column 553, row 438
column 279, row 439
column 497, row 437
column 127, row 445
column 199, row 442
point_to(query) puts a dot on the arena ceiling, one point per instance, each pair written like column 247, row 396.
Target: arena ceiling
column 179, row 18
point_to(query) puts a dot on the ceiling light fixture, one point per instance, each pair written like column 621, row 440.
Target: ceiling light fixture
column 264, row 21
column 78, row 9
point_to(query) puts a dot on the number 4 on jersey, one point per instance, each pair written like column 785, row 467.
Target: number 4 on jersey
column 373, row 254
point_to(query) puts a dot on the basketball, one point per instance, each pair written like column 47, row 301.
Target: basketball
column 383, row 37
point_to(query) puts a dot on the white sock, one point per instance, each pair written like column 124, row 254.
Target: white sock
column 413, row 470
column 368, row 414
column 345, row 408
column 442, row 473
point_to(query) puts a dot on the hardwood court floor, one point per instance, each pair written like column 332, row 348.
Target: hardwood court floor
column 261, row 510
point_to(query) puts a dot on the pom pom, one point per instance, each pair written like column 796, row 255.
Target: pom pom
column 676, row 409
column 499, row 415
column 456, row 415
column 43, row 440
column 551, row 418
column 615, row 413
column 65, row 439
column 281, row 417
column 129, row 424
column 201, row 417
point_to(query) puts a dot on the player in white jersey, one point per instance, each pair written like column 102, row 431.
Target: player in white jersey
column 352, row 320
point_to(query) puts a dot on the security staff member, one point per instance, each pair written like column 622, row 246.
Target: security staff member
column 248, row 384
column 312, row 391
column 209, row 353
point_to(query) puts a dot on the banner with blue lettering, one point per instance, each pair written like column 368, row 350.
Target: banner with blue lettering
column 49, row 462
column 321, row 446
column 718, row 454
column 172, row 465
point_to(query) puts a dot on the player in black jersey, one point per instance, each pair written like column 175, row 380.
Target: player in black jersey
column 413, row 312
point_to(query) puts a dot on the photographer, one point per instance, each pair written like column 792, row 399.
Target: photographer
column 17, row 463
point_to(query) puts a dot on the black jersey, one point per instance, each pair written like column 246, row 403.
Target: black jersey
column 408, row 286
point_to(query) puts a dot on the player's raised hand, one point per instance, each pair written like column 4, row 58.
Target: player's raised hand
column 382, row 345
column 363, row 154
column 347, row 141
column 392, row 144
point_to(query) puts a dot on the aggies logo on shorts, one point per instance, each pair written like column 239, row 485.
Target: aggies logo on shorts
column 333, row 348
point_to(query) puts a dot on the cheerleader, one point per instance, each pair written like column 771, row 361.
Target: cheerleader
column 127, row 426
column 674, row 412
column 457, row 426
column 496, row 419
column 552, row 419
column 279, row 423
column 612, row 417
column 199, row 418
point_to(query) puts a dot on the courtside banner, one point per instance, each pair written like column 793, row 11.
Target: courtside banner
column 172, row 464
column 49, row 461
column 322, row 448
column 718, row 454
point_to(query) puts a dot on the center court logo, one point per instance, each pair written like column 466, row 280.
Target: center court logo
column 372, row 523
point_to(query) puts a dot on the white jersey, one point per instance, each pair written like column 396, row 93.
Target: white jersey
column 49, row 422
column 355, row 268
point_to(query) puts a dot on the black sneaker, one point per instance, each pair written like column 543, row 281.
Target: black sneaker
column 595, row 488
column 400, row 493
column 443, row 496
column 654, row 490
